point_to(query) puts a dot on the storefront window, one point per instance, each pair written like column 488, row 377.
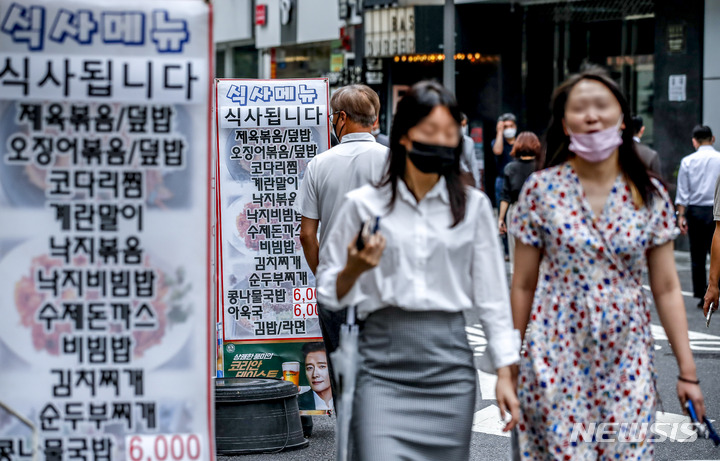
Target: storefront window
column 220, row 63
column 636, row 75
column 307, row 61
column 245, row 62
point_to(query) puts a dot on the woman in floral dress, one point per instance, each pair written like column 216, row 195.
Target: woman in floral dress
column 585, row 228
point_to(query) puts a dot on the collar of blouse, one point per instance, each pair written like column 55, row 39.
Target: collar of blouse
column 438, row 190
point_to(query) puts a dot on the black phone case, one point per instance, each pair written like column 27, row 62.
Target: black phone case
column 360, row 242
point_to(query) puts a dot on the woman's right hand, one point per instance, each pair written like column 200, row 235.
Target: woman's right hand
column 358, row 262
column 506, row 395
column 367, row 258
column 689, row 391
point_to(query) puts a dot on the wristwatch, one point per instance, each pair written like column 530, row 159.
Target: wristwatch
column 679, row 215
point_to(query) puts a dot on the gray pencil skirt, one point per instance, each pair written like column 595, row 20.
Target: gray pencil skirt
column 415, row 394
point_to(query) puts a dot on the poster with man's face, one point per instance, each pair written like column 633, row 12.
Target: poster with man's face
column 318, row 375
column 303, row 363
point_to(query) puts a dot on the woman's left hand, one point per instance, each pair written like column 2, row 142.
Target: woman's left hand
column 689, row 391
column 502, row 228
column 507, row 398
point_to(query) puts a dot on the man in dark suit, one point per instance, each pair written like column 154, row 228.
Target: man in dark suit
column 650, row 158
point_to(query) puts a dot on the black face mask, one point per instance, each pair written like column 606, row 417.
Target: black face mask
column 334, row 141
column 334, row 134
column 430, row 158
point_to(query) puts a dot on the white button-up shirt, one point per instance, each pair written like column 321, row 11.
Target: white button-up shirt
column 320, row 403
column 697, row 176
column 426, row 265
column 356, row 161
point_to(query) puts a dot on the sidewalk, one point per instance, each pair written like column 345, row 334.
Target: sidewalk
column 321, row 448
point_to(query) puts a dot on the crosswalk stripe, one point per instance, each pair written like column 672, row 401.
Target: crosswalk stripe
column 487, row 383
column 475, row 331
column 487, row 421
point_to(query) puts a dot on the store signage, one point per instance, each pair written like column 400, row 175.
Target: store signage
column 350, row 11
column 389, row 32
column 677, row 88
column 374, row 74
column 286, row 7
column 260, row 15
column 676, row 39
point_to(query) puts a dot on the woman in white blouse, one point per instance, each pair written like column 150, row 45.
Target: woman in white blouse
column 435, row 255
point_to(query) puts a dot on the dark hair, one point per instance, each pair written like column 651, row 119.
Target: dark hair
column 312, row 347
column 557, row 142
column 702, row 133
column 360, row 102
column 637, row 124
column 417, row 104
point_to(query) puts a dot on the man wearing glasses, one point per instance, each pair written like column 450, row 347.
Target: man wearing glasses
column 357, row 160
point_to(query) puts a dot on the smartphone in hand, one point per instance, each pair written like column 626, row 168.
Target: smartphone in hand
column 367, row 229
column 709, row 315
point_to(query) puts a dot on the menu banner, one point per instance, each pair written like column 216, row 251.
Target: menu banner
column 104, row 243
column 267, row 132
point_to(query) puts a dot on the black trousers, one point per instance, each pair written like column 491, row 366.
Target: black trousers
column 700, row 232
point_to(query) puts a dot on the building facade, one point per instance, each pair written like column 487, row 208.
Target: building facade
column 509, row 55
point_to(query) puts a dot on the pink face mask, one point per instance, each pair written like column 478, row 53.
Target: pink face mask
column 598, row 146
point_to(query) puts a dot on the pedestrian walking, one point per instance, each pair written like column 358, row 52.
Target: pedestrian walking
column 525, row 153
column 585, row 228
column 379, row 136
column 357, row 160
column 434, row 256
column 502, row 146
column 649, row 156
column 468, row 162
column 694, row 200
column 713, row 292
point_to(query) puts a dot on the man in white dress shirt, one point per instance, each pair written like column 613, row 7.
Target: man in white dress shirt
column 356, row 161
column 694, row 202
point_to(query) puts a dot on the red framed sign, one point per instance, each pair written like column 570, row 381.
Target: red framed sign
column 267, row 132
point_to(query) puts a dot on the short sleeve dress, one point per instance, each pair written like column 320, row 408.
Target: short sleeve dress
column 588, row 348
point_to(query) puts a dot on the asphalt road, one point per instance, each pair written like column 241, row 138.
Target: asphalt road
column 705, row 343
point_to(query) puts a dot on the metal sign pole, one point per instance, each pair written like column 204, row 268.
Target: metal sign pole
column 449, row 46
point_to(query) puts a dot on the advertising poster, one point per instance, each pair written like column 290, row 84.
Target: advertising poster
column 300, row 361
column 267, row 132
column 104, row 243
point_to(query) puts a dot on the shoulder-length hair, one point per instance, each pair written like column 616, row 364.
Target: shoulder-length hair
column 527, row 144
column 417, row 104
column 557, row 142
